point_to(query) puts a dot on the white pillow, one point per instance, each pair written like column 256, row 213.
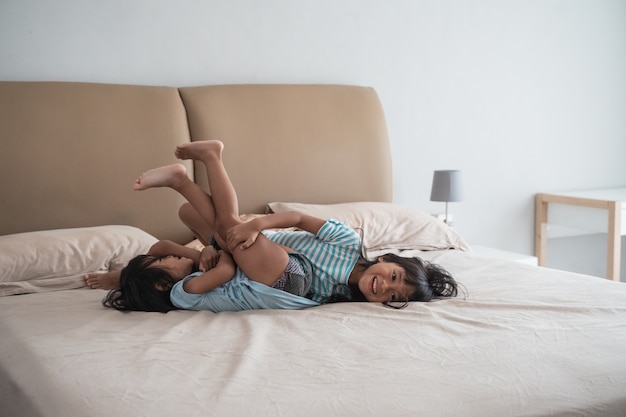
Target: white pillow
column 58, row 259
column 385, row 226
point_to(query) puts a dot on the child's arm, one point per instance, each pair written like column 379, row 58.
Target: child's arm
column 203, row 261
column 167, row 248
column 291, row 219
column 213, row 278
column 245, row 234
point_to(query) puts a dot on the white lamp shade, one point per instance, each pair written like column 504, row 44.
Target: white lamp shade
column 447, row 186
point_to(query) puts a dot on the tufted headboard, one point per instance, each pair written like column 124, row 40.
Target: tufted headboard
column 70, row 152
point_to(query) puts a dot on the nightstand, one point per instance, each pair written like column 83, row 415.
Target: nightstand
column 487, row 252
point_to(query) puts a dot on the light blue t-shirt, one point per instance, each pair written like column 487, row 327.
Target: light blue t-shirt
column 240, row 293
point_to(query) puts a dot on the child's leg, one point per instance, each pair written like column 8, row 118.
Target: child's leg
column 294, row 279
column 202, row 230
column 175, row 177
column 264, row 261
column 225, row 203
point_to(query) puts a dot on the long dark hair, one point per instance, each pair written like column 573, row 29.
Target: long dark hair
column 142, row 287
column 430, row 281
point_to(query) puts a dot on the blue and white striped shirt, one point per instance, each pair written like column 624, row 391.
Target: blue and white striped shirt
column 333, row 252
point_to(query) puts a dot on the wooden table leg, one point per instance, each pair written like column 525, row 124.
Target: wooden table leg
column 541, row 229
column 615, row 241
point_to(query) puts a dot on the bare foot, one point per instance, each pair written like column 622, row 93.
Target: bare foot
column 166, row 176
column 103, row 281
column 201, row 151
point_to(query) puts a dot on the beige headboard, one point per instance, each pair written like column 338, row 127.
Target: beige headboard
column 69, row 152
column 305, row 143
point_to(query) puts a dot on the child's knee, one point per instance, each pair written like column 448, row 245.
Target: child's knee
column 185, row 212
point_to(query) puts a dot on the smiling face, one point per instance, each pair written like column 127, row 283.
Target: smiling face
column 177, row 267
column 385, row 282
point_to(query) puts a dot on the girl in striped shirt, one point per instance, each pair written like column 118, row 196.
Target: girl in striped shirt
column 250, row 267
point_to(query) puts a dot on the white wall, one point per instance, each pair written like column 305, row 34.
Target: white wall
column 523, row 96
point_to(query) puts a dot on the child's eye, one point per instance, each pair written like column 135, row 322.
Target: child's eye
column 393, row 296
column 393, row 276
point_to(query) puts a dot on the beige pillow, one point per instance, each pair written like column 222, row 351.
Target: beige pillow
column 385, row 226
column 58, row 259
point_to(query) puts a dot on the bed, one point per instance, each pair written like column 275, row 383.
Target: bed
column 519, row 340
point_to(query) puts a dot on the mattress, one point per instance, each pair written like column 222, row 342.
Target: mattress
column 519, row 340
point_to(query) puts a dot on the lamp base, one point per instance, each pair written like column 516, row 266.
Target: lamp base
column 442, row 217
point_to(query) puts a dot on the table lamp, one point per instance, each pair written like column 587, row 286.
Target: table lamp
column 447, row 187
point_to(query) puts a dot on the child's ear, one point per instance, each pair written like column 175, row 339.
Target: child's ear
column 380, row 259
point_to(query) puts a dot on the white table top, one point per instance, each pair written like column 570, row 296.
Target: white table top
column 606, row 194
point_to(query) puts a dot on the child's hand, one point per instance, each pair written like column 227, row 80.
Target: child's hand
column 243, row 236
column 225, row 260
column 208, row 258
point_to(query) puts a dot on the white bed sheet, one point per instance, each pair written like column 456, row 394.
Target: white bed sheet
column 526, row 341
